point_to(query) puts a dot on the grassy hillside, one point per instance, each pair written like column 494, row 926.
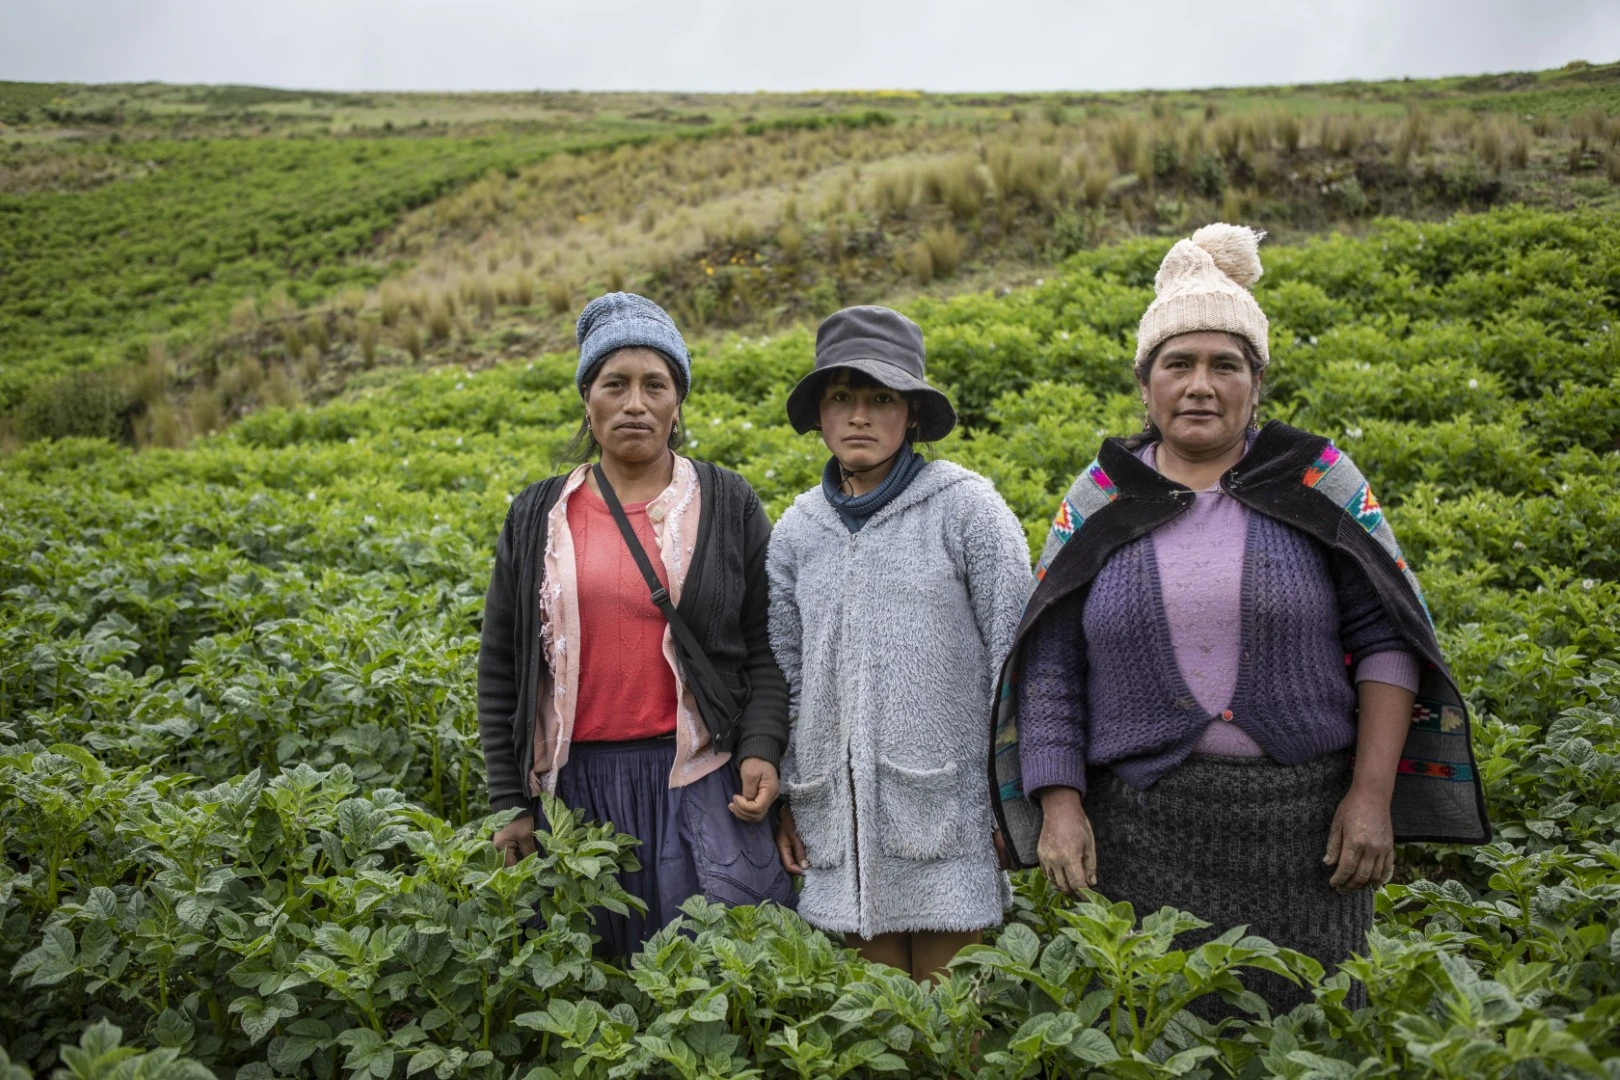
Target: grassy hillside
column 239, row 767
column 178, row 257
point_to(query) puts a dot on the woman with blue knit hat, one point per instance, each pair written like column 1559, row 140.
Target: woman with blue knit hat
column 896, row 585
column 625, row 665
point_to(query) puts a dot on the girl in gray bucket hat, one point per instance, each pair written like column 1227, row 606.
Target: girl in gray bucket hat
column 895, row 588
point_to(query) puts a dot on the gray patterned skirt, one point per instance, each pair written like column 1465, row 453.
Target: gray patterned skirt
column 1235, row 840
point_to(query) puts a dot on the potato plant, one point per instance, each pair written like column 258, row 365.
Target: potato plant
column 242, row 828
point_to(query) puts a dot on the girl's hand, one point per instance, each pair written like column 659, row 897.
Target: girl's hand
column 789, row 846
column 759, row 789
column 515, row 839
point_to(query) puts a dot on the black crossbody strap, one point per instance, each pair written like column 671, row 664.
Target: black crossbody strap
column 693, row 652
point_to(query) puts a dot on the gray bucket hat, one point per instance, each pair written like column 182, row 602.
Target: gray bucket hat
column 883, row 344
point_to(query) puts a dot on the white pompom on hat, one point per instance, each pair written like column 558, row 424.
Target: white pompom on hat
column 1203, row 284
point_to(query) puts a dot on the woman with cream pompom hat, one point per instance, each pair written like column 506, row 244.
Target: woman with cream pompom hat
column 1226, row 695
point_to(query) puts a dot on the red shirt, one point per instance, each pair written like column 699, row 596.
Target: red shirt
column 626, row 688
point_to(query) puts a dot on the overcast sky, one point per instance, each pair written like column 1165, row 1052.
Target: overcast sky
column 798, row 45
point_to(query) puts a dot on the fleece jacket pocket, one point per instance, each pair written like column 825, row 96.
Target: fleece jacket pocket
column 918, row 813
column 822, row 828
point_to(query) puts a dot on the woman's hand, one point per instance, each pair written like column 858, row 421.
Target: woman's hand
column 1003, row 856
column 759, row 789
column 515, row 839
column 1067, row 849
column 1361, row 842
column 789, row 846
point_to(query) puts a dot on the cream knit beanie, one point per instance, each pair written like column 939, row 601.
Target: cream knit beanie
column 1203, row 284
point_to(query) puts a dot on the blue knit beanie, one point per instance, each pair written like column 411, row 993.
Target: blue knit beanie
column 619, row 320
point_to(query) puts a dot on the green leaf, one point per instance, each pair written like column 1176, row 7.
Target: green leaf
column 426, row 1058
column 172, row 1028
column 1020, row 943
column 1093, row 1046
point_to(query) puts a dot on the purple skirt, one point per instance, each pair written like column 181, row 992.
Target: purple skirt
column 691, row 845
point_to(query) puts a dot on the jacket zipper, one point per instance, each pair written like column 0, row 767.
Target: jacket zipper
column 849, row 769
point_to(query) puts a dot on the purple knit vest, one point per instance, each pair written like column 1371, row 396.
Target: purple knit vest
column 1294, row 695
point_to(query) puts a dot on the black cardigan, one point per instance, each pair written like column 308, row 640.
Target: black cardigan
column 724, row 601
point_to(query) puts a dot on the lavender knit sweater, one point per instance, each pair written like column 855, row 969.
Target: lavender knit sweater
column 1219, row 607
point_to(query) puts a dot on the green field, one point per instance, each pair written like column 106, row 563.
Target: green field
column 241, row 828
column 240, row 788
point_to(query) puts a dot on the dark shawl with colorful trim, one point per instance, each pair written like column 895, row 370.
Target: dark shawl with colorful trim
column 1304, row 481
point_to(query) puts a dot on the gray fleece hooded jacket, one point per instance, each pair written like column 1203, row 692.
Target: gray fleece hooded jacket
column 891, row 639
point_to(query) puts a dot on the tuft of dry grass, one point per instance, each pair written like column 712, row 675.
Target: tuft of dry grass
column 367, row 334
column 1516, row 137
column 1144, row 166
column 1226, row 135
column 893, row 190
column 410, row 339
column 440, row 314
column 1236, row 204
column 790, row 241
column 1286, row 127
column 1027, row 172
column 417, row 301
column 309, row 366
column 1343, row 135
column 315, row 333
column 241, row 380
column 1094, row 185
column 1488, row 145
column 280, row 305
column 945, row 250
column 205, row 411
column 484, row 296
column 1589, row 125
column 1267, row 169
column 292, row 339
column 920, row 262
column 1124, row 139
column 1414, row 137
column 244, row 313
column 391, row 301
column 280, row 388
column 149, row 382
column 161, row 426
column 958, row 185
column 559, row 300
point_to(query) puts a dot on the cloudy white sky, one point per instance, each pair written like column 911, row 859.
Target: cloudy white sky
column 802, row 44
